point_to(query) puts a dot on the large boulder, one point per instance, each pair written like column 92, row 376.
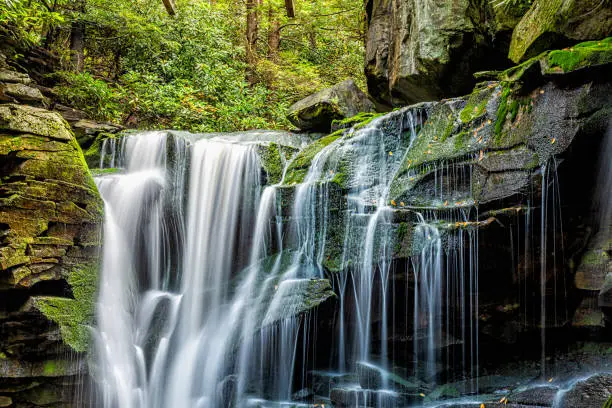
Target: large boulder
column 317, row 111
column 428, row 49
column 558, row 23
column 50, row 219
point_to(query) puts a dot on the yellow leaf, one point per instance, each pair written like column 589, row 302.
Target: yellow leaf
column 393, row 203
column 553, row 140
column 481, row 155
column 482, row 405
column 541, row 91
column 550, row 380
column 446, row 203
column 402, row 203
column 422, row 395
column 390, row 153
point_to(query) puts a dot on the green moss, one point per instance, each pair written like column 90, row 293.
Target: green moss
column 517, row 72
column 74, row 315
column 50, row 368
column 272, row 162
column 358, row 121
column 582, row 55
column 502, row 111
column 104, row 172
column 299, row 166
column 476, row 104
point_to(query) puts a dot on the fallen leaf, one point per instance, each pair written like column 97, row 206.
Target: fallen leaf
column 541, row 91
column 422, row 395
column 481, row 155
column 482, row 405
column 446, row 203
column 402, row 203
column 550, row 380
column 393, row 203
column 390, row 153
column 553, row 140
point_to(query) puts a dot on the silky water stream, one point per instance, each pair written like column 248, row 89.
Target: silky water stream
column 211, row 275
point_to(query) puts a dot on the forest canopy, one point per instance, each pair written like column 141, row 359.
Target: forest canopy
column 199, row 65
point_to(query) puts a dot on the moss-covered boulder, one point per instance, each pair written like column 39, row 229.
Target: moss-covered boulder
column 317, row 111
column 553, row 24
column 50, row 219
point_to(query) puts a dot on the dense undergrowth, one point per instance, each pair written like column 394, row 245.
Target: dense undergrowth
column 144, row 68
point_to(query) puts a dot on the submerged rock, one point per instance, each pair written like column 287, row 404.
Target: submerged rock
column 372, row 377
column 357, row 397
column 316, row 112
column 543, row 396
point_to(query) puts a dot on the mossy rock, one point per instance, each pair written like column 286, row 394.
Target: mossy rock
column 273, row 158
column 585, row 55
column 318, row 111
column 558, row 23
column 298, row 168
column 513, row 125
column 73, row 315
column 51, row 215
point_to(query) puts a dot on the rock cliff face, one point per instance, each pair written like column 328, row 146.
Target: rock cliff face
column 50, row 219
column 425, row 50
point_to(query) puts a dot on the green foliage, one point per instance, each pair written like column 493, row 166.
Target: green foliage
column 94, row 96
column 147, row 69
column 27, row 20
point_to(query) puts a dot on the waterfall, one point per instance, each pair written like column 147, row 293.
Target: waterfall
column 206, row 272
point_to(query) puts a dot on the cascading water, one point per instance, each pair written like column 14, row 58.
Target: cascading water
column 203, row 299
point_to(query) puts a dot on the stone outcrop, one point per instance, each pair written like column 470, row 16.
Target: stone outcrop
column 424, row 50
column 50, row 233
column 558, row 23
column 17, row 87
column 316, row 112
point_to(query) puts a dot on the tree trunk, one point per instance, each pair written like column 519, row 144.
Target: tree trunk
column 289, row 8
column 170, row 7
column 77, row 46
column 273, row 34
column 252, row 28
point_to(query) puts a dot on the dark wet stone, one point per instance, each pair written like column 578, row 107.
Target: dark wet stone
column 592, row 392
